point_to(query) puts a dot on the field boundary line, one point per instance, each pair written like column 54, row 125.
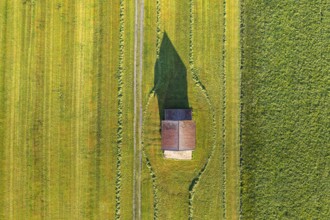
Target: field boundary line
column 3, row 107
column 134, row 114
column 242, row 33
column 140, row 102
column 80, row 110
column 30, row 73
column 224, row 115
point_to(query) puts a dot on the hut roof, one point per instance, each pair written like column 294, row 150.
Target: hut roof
column 178, row 135
column 187, row 135
column 170, row 135
column 178, row 114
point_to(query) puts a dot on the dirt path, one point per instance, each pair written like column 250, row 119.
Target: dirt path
column 138, row 67
column 134, row 119
column 140, row 102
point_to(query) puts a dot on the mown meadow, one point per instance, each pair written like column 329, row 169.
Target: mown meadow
column 65, row 90
column 183, row 68
column 75, row 76
column 285, row 110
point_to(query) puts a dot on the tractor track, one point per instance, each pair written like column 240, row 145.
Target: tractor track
column 138, row 109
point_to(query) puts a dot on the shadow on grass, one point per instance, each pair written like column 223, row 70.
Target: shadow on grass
column 170, row 79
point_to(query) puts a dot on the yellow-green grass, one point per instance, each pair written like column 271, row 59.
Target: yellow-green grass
column 149, row 57
column 126, row 197
column 3, row 17
column 59, row 65
column 147, row 201
column 67, row 86
column 175, row 178
column 232, row 109
column 208, row 34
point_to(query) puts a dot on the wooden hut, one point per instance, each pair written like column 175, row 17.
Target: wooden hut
column 178, row 134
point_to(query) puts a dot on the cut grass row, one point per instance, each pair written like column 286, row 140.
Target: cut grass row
column 125, row 149
column 120, row 106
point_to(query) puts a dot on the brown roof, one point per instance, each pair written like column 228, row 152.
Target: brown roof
column 178, row 114
column 178, row 135
column 187, row 135
column 170, row 135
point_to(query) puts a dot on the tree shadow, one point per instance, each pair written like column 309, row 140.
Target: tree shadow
column 170, row 79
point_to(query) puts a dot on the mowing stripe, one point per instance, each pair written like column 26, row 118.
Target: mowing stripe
column 232, row 109
column 199, row 84
column 48, row 104
column 29, row 122
column 98, row 56
column 3, row 55
column 135, row 181
column 77, row 70
column 14, row 103
column 145, row 114
column 12, row 115
column 207, row 44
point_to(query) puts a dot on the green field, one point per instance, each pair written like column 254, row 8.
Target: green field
column 77, row 78
column 61, row 78
column 286, row 110
column 183, row 68
column 84, row 85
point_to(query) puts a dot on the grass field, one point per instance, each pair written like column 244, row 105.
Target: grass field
column 76, row 79
column 84, row 85
column 232, row 110
column 60, row 109
column 285, row 124
column 183, row 68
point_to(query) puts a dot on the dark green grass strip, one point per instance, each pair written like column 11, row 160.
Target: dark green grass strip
column 286, row 110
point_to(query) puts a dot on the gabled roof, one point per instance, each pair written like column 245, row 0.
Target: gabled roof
column 178, row 135
column 178, row 114
column 187, row 135
column 170, row 135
